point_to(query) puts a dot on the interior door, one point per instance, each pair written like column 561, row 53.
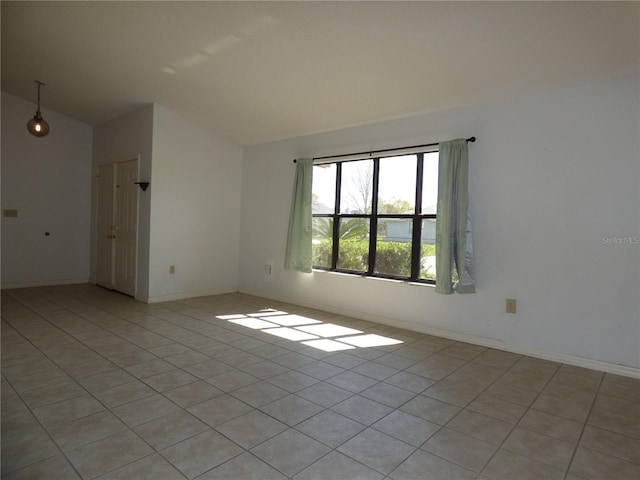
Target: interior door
column 126, row 221
column 117, row 227
column 106, row 226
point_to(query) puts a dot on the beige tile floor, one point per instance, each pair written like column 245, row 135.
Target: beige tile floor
column 97, row 385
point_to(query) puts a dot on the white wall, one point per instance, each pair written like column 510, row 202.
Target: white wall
column 127, row 138
column 552, row 177
column 195, row 210
column 48, row 180
column 189, row 217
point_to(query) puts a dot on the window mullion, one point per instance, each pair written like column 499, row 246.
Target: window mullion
column 373, row 225
column 336, row 219
column 416, row 242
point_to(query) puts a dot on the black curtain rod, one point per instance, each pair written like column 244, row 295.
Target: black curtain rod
column 470, row 139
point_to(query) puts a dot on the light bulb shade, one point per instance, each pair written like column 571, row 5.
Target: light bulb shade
column 38, row 126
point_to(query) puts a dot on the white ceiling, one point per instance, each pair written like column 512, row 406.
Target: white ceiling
column 260, row 71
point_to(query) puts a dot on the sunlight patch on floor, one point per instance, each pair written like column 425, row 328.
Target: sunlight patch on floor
column 328, row 345
column 328, row 337
column 267, row 312
column 289, row 334
column 370, row 340
column 292, row 320
column 254, row 323
column 329, row 330
column 230, row 317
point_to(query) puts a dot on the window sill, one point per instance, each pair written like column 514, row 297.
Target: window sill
column 380, row 279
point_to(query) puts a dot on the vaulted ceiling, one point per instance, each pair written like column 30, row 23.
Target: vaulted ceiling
column 256, row 72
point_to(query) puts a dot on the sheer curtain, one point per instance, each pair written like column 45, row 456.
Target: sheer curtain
column 454, row 251
column 298, row 254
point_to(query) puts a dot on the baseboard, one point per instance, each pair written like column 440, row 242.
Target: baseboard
column 573, row 360
column 184, row 296
column 50, row 283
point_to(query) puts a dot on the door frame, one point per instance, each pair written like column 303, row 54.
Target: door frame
column 100, row 229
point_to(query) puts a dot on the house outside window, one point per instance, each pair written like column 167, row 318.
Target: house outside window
column 377, row 216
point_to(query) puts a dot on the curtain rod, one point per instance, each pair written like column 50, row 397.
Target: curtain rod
column 371, row 152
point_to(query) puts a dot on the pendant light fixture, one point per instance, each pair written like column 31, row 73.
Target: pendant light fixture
column 37, row 125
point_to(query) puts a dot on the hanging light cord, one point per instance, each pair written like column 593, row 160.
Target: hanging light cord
column 39, row 85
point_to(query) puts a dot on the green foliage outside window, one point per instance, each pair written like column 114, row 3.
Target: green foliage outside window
column 391, row 257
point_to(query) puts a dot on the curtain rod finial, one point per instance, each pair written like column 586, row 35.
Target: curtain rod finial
column 471, row 139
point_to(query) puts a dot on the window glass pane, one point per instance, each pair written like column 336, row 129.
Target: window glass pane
column 353, row 253
column 322, row 241
column 393, row 246
column 357, row 187
column 428, row 249
column 397, row 184
column 395, row 225
column 430, row 183
column 324, row 188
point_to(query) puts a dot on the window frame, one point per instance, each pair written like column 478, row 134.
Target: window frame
column 374, row 217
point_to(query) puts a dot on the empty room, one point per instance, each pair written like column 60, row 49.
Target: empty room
column 320, row 240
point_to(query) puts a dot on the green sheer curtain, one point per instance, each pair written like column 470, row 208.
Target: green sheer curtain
column 298, row 255
column 453, row 227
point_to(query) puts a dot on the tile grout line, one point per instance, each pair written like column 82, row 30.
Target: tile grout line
column 515, row 425
column 39, row 309
column 584, row 426
column 62, row 452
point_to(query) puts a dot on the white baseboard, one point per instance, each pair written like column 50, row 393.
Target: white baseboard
column 184, row 296
column 50, row 283
column 598, row 365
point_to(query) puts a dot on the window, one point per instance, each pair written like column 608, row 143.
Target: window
column 377, row 217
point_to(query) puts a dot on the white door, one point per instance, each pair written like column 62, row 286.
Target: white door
column 106, row 226
column 126, row 221
column 117, row 227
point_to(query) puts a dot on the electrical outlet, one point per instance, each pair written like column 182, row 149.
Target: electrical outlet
column 511, row 305
column 172, row 269
column 267, row 269
column 10, row 213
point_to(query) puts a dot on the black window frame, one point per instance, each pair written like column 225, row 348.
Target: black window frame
column 416, row 218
